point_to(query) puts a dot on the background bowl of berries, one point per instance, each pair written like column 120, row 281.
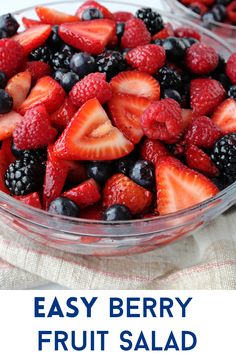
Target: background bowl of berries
column 117, row 127
column 216, row 15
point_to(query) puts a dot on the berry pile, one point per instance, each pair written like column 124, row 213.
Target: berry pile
column 113, row 116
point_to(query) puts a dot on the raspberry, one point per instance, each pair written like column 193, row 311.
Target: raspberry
column 153, row 150
column 135, row 34
column 231, row 12
column 200, row 161
column 201, row 59
column 203, row 133
column 92, row 86
column 231, row 68
column 11, row 57
column 38, row 69
column 187, row 32
column 162, row 120
column 34, row 131
column 148, row 58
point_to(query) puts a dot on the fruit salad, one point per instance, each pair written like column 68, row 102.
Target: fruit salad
column 113, row 116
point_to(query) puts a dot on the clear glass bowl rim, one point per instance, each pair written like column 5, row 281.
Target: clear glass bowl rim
column 17, row 208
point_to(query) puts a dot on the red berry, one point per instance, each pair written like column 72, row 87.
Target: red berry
column 38, row 69
column 162, row 120
column 95, row 5
column 135, row 34
column 231, row 68
column 28, row 22
column 92, row 86
column 34, row 131
column 201, row 59
column 30, row 199
column 61, row 118
column 225, row 116
column 153, row 150
column 85, row 194
column 201, row 6
column 166, row 32
column 203, row 132
column 148, row 58
column 54, row 17
column 200, row 161
column 18, row 88
column 11, row 57
column 8, row 123
column 122, row 16
column 231, row 12
column 187, row 32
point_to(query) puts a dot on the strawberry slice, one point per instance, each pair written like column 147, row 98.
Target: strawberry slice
column 31, row 200
column 187, row 116
column 200, row 161
column 54, row 17
column 153, row 150
column 87, row 193
column 18, row 88
column 95, row 5
column 8, row 123
column 136, row 83
column 126, row 111
column 76, row 173
column 166, row 32
column 33, row 37
column 225, row 116
column 47, row 91
column 179, row 187
column 93, row 212
column 91, row 136
column 29, row 22
column 61, row 118
column 55, row 177
column 88, row 36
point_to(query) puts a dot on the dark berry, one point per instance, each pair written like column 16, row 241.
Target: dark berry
column 223, row 79
column 219, row 13
column 158, row 41
column 100, row 171
column 124, row 165
column 188, row 42
column 61, row 60
column 83, row 64
column 3, row 34
column 221, row 65
column 120, row 27
column 195, row 9
column 111, row 63
column 54, row 41
column 68, row 80
column 65, row 48
column 43, row 53
column 64, row 206
column 224, row 156
column 117, row 212
column 143, row 173
column 34, row 154
column 152, row 20
column 91, row 14
column 168, row 78
column 170, row 93
column 3, row 80
column 58, row 74
column 207, row 19
column 6, row 102
column 220, row 182
column 9, row 24
column 223, row 2
column 232, row 92
column 174, row 47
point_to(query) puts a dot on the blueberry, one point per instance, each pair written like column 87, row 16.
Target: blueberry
column 91, row 14
column 100, row 171
column 6, row 102
column 124, row 165
column 64, row 206
column 3, row 79
column 219, row 13
column 68, row 80
column 188, row 42
column 54, row 41
column 120, row 27
column 221, row 65
column 170, row 93
column 58, row 74
column 223, row 79
column 9, row 24
column 83, row 64
column 143, row 174
column 174, row 47
column 232, row 92
column 207, row 19
column 3, row 34
column 117, row 212
column 158, row 41
column 223, row 2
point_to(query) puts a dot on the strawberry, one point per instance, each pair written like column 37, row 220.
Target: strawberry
column 92, row 86
column 147, row 58
column 8, row 123
column 201, row 7
column 34, row 131
column 203, row 132
column 31, row 200
column 91, row 136
column 120, row 189
column 29, row 22
column 47, row 91
column 231, row 68
column 187, row 32
column 166, row 32
column 136, row 83
column 135, row 34
column 76, row 172
column 33, row 37
column 126, row 111
column 95, row 5
column 153, row 150
column 200, row 161
column 7, row 150
column 93, row 212
column 231, row 12
column 179, row 187
column 206, row 94
column 187, row 116
column 88, row 36
column 54, row 17
column 61, row 118
column 38, row 69
column 201, row 59
column 11, row 57
column 87, row 193
column 163, row 120
column 225, row 116
column 18, row 88
column 205, row 2
column 55, row 177
column 122, row 16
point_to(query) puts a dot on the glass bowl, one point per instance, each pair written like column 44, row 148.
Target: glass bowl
column 224, row 30
column 26, row 224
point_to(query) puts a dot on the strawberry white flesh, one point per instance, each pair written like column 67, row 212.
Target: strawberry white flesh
column 225, row 116
column 18, row 88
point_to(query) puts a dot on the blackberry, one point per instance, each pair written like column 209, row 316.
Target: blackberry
column 224, row 156
column 61, row 60
column 24, row 176
column 117, row 212
column 8, row 24
column 6, row 102
column 232, row 92
column 43, row 53
column 152, row 20
column 168, row 78
column 170, row 93
column 34, row 154
column 111, row 63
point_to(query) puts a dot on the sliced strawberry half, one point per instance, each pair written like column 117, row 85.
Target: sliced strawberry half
column 88, row 36
column 166, row 32
column 33, row 37
column 8, row 123
column 91, row 136
column 47, row 91
column 200, row 161
column 136, row 83
column 30, row 199
column 61, row 118
column 126, row 111
column 93, row 4
column 153, row 150
column 87, row 193
column 18, row 87
column 29, row 22
column 179, row 187
column 187, row 115
column 54, row 17
column 225, row 116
